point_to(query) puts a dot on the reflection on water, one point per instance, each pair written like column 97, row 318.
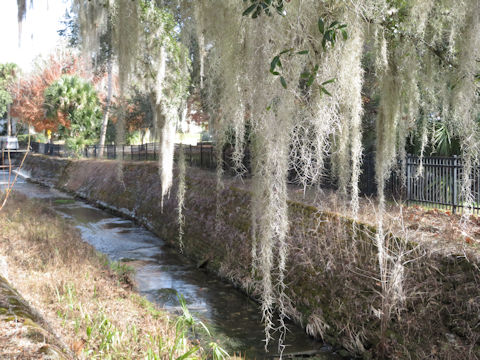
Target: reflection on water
column 162, row 273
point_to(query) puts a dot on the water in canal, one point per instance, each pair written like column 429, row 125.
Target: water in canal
column 161, row 273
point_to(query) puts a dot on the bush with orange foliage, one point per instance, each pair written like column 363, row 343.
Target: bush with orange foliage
column 28, row 93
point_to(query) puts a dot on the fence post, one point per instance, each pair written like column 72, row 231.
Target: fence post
column 201, row 155
column 409, row 177
column 146, row 152
column 95, row 150
column 454, row 184
column 190, row 154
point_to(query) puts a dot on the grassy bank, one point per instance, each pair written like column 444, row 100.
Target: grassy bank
column 88, row 303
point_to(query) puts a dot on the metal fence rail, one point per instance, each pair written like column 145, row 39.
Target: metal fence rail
column 438, row 185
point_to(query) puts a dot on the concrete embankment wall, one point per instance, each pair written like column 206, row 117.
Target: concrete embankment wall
column 331, row 278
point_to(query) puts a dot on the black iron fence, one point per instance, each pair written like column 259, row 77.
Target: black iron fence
column 48, row 149
column 439, row 183
column 201, row 155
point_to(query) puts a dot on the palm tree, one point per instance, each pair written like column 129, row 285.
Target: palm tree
column 74, row 104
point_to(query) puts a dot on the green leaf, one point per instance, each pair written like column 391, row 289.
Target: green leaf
column 188, row 353
column 310, row 81
column 276, row 73
column 283, row 82
column 303, row 52
column 286, row 51
column 305, row 75
column 275, row 62
column 329, row 81
column 249, row 10
column 332, row 25
column 257, row 12
column 344, row 34
column 321, row 25
column 325, row 91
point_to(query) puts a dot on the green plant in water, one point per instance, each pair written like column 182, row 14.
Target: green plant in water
column 217, row 352
column 186, row 323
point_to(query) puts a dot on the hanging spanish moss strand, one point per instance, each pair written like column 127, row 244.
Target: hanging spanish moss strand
column 220, row 186
column 410, row 106
column 350, row 84
column 467, row 103
column 386, row 129
column 93, row 20
column 200, row 33
column 126, row 30
column 261, row 192
column 126, row 36
column 182, row 169
column 21, row 14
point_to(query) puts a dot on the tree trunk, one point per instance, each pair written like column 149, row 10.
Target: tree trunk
column 201, row 45
column 103, row 131
column 9, row 121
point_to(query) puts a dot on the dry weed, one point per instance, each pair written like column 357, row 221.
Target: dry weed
column 87, row 304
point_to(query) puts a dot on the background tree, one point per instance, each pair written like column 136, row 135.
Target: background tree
column 98, row 49
column 8, row 73
column 28, row 93
column 73, row 104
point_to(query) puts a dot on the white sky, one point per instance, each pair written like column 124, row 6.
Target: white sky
column 39, row 31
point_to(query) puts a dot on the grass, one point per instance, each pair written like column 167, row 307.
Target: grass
column 88, row 301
